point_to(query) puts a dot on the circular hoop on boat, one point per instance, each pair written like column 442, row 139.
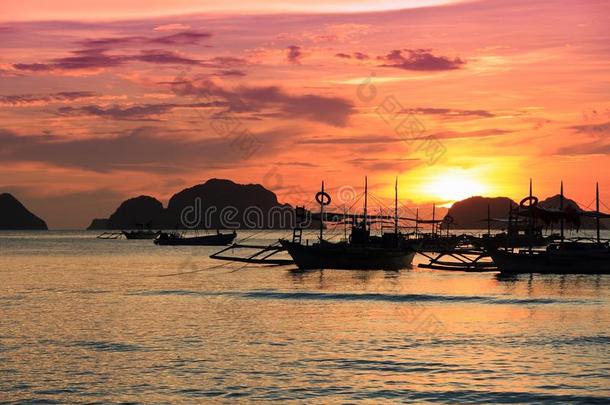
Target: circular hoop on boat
column 323, row 198
column 529, row 201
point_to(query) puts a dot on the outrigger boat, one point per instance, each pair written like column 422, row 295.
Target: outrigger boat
column 362, row 251
column 568, row 257
column 564, row 257
column 435, row 241
column 178, row 239
column 519, row 232
column 140, row 234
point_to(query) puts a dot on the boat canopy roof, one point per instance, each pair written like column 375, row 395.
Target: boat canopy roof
column 341, row 216
column 553, row 215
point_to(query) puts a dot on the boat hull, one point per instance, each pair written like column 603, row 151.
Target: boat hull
column 140, row 234
column 344, row 256
column 552, row 262
column 207, row 240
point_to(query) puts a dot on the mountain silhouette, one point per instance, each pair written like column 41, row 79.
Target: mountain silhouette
column 471, row 213
column 14, row 216
column 216, row 198
column 98, row 223
column 554, row 202
column 139, row 212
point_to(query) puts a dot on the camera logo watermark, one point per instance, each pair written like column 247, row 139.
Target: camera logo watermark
column 346, row 194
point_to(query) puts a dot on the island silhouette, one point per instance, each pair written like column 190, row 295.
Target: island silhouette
column 216, row 195
column 211, row 197
column 15, row 216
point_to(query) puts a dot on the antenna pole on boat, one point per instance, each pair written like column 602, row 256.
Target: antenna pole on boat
column 531, row 221
column 396, row 209
column 416, row 221
column 561, row 209
column 488, row 220
column 322, row 213
column 433, row 218
column 597, row 210
column 509, row 228
column 345, row 222
column 366, row 197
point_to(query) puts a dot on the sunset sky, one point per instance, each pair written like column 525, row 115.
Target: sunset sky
column 102, row 101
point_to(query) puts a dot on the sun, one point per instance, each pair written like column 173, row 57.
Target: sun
column 454, row 185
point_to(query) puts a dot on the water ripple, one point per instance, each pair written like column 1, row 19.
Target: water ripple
column 397, row 298
column 102, row 346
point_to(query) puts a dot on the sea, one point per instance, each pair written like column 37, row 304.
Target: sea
column 85, row 320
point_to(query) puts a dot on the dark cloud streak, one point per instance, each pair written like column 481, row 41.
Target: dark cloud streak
column 144, row 112
column 330, row 110
column 178, row 39
column 29, row 99
column 294, row 54
column 145, row 149
column 594, row 129
column 91, row 59
column 450, row 112
column 355, row 55
column 420, row 60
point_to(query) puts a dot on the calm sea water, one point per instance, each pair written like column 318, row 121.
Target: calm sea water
column 84, row 320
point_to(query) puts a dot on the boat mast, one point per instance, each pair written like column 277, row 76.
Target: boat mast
column 416, row 221
column 531, row 220
column 433, row 219
column 509, row 229
column 322, row 212
column 561, row 209
column 345, row 222
column 597, row 210
column 396, row 208
column 488, row 220
column 366, row 197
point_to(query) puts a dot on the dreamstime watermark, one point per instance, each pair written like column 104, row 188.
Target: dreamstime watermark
column 252, row 217
column 422, row 319
column 404, row 123
column 273, row 179
column 228, row 126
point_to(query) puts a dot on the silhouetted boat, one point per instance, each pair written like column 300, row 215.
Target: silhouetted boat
column 345, row 255
column 564, row 257
column 362, row 251
column 558, row 258
column 140, row 234
column 177, row 239
column 520, row 231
